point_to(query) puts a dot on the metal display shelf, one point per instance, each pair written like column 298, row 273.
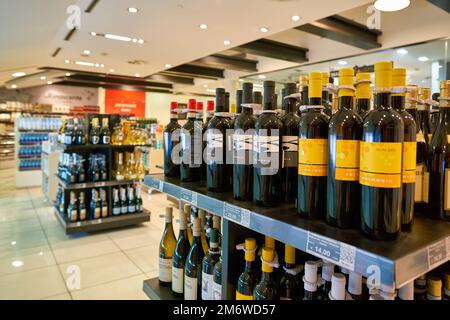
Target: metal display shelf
column 98, row 184
column 402, row 260
column 104, row 223
column 155, row 291
column 76, row 147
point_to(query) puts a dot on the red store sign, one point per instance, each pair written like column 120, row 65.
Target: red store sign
column 125, row 102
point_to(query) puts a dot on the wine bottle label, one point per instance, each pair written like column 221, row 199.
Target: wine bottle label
column 312, row 157
column 177, row 280
column 347, row 160
column 447, row 189
column 266, row 151
column 242, row 146
column 104, row 212
column 290, row 149
column 217, row 291
column 381, row 164
column 116, row 211
column 95, row 139
column 131, row 209
column 409, row 162
column 73, row 215
column 124, row 209
column 97, row 213
column 165, row 270
column 106, row 139
column 240, row 296
column 207, row 284
column 82, row 214
column 190, row 288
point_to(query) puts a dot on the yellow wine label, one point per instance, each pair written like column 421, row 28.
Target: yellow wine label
column 347, row 160
column 447, row 189
column 420, row 137
column 312, row 157
column 240, row 296
column 419, row 183
column 381, row 164
column 409, row 162
column 425, row 186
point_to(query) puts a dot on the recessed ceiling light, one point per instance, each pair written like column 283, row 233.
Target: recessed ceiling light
column 402, row 51
column 134, row 40
column 141, row 41
column 137, row 75
column 67, row 61
column 342, row 62
column 43, row 78
column 295, row 18
column 17, row 263
column 86, row 52
column 133, row 10
column 227, row 42
column 49, row 82
column 116, row 37
column 264, row 29
column 203, row 26
column 168, row 66
column 261, row 76
column 112, row 70
column 68, row 74
column 102, row 65
column 391, row 5
column 14, row 86
column 210, row 90
column 19, row 74
column 83, row 63
column 93, row 33
column 423, row 59
column 205, row 86
column 13, row 243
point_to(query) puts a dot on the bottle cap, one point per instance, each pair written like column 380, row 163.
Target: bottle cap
column 290, row 88
column 445, row 88
column 267, row 255
column 210, row 106
column 173, row 105
column 247, row 91
column 407, row 291
column 383, row 76
column 327, row 270
column 363, row 85
column 346, row 78
column 216, row 222
column 325, row 78
column 250, row 248
column 169, row 214
column 311, row 271
column 399, row 80
column 289, row 254
column 269, row 242
column 338, row 287
column 315, row 85
column 303, row 81
column 220, row 100
column 434, row 286
column 200, row 106
column 355, row 283
column 269, row 92
column 192, row 105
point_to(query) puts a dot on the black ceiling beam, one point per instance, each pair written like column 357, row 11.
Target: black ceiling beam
column 117, row 81
column 274, row 49
column 195, row 71
column 171, row 78
column 343, row 30
column 109, row 86
column 443, row 4
column 227, row 62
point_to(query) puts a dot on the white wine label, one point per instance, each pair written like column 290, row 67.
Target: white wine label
column 106, row 139
column 290, row 151
column 217, row 291
column 165, row 270
column 116, row 211
column 131, row 209
column 190, row 288
column 177, row 280
column 83, row 214
column 447, row 189
column 97, row 213
column 207, row 283
column 73, row 215
column 425, row 186
column 104, row 212
column 418, row 195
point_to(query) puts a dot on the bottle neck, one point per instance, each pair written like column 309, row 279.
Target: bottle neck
column 345, row 103
column 362, row 104
column 398, row 102
column 267, row 276
column 214, row 247
column 325, row 96
column 305, row 92
column 291, row 106
column 288, row 265
column 249, row 265
column 382, row 101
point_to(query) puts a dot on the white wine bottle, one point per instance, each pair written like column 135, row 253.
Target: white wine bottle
column 209, row 261
column 193, row 269
column 179, row 257
column 166, row 250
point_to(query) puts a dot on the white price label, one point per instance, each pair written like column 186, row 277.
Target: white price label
column 189, row 196
column 237, row 215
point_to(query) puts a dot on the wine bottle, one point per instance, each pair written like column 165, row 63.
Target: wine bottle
column 72, row 209
column 363, row 94
column 103, row 204
column 105, row 133
column 191, row 146
column 337, row 287
column 439, row 160
column 423, row 113
column 310, row 277
column 303, row 82
column 406, row 292
column 219, row 172
column 326, row 95
column 290, row 145
column 268, row 152
column 327, row 273
column 202, row 217
column 289, row 286
column 409, row 148
column 179, row 257
column 119, row 173
column 166, row 250
column 355, row 285
column 344, row 135
column 244, row 128
column 434, row 288
column 446, row 295
column 209, row 261
column 171, row 140
column 217, row 225
column 209, row 116
column 420, row 288
column 312, row 154
column 82, row 207
column 123, row 201
column 217, row 280
column 116, row 202
column 139, row 207
column 94, row 135
column 266, row 289
column 95, row 210
column 381, row 162
column 131, row 200
column 193, row 269
column 249, row 277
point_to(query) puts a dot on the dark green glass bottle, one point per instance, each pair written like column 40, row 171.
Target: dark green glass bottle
column 209, row 261
column 267, row 288
column 191, row 146
column 249, row 277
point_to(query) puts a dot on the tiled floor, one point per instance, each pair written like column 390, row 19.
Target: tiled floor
column 38, row 261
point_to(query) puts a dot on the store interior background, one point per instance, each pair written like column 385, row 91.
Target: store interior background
column 34, row 251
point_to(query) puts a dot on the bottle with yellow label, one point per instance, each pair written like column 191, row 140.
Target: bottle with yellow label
column 381, row 153
column 266, row 289
column 409, row 147
column 312, row 154
column 363, row 94
column 249, row 277
column 344, row 135
column 439, row 161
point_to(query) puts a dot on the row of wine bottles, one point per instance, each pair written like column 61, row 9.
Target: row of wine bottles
column 350, row 170
column 191, row 265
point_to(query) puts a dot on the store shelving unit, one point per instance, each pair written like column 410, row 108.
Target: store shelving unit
column 155, row 291
column 400, row 261
column 104, row 223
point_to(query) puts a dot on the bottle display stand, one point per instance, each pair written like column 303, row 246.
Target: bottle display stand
column 399, row 261
column 109, row 222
